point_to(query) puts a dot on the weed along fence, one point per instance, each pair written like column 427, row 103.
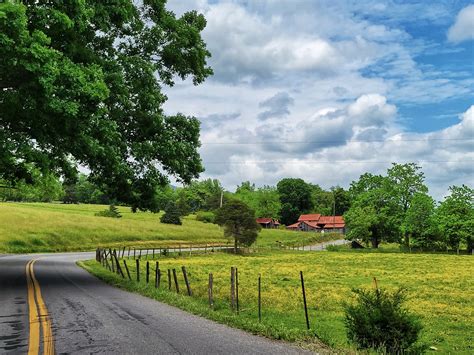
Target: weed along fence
column 229, row 291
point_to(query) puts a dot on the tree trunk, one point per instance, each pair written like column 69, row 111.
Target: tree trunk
column 470, row 244
column 375, row 242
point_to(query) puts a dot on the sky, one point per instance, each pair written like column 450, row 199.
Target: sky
column 329, row 90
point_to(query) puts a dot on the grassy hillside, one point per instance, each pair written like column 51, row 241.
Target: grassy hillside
column 439, row 288
column 43, row 227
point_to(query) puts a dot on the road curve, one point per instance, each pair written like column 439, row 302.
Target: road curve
column 90, row 317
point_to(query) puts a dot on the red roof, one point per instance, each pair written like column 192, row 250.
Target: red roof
column 331, row 219
column 309, row 217
column 312, row 224
column 264, row 220
column 294, row 225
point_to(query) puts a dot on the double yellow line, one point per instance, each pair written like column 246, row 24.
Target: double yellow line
column 38, row 313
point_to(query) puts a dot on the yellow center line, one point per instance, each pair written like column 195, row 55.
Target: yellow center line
column 42, row 316
column 33, row 341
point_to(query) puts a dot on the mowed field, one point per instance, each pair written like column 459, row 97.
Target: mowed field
column 440, row 290
column 50, row 227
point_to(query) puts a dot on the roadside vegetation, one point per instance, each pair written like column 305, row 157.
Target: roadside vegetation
column 438, row 290
column 50, row 227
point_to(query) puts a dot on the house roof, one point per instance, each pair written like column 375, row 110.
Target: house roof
column 330, row 219
column 312, row 224
column 294, row 225
column 309, row 217
column 264, row 220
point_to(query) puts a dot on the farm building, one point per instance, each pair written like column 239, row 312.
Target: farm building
column 268, row 222
column 318, row 223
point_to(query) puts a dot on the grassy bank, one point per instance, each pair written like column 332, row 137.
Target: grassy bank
column 49, row 227
column 439, row 287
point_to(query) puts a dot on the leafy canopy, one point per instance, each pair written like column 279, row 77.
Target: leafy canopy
column 295, row 198
column 80, row 84
column 238, row 221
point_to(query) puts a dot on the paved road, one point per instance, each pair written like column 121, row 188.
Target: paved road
column 86, row 316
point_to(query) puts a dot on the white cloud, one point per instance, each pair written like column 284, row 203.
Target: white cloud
column 326, row 79
column 463, row 28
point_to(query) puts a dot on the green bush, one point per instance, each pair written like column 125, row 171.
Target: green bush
column 206, row 217
column 172, row 214
column 112, row 212
column 379, row 321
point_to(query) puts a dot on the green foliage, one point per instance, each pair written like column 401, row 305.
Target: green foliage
column 41, row 188
column 295, row 198
column 380, row 205
column 81, row 84
column 206, row 217
column 420, row 223
column 200, row 195
column 111, row 212
column 239, row 222
column 379, row 321
column 456, row 217
column 265, row 201
column 342, row 200
column 84, row 191
column 172, row 214
column 373, row 216
column 163, row 196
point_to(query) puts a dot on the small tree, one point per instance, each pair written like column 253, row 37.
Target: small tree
column 172, row 214
column 112, row 212
column 379, row 321
column 239, row 222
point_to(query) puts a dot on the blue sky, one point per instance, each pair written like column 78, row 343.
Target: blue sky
column 327, row 90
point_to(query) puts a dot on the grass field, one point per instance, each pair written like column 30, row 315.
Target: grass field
column 439, row 287
column 49, row 227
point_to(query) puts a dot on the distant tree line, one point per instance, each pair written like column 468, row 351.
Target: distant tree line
column 394, row 207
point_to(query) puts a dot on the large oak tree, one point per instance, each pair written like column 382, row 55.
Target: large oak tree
column 81, row 85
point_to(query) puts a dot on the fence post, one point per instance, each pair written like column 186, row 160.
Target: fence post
column 175, row 277
column 157, row 275
column 107, row 265
column 153, row 253
column 304, row 300
column 123, row 252
column 128, row 256
column 140, row 255
column 147, row 271
column 137, row 262
column 259, row 297
column 112, row 260
column 376, row 286
column 237, row 289
column 119, row 269
column 126, row 269
column 134, row 253
column 232, row 288
column 169, row 279
column 186, row 281
column 209, row 291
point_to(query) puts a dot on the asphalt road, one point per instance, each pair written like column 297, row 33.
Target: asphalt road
column 87, row 316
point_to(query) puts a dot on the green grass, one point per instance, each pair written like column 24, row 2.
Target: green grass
column 50, row 227
column 440, row 289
